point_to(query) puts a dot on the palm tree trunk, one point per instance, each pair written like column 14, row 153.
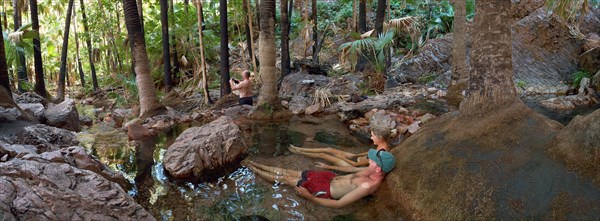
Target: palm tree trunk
column 285, row 38
column 164, row 21
column 77, row 57
column 379, row 19
column 251, row 47
column 315, row 34
column 88, row 42
column 257, row 3
column 21, row 67
column 140, row 8
column 459, row 55
column 40, row 85
column 362, row 26
column 4, row 80
column 267, row 55
column 491, row 82
column 174, row 40
column 202, row 59
column 225, row 87
column 149, row 104
column 63, row 55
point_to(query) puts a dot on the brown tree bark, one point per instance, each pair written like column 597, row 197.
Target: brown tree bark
column 459, row 54
column 491, row 81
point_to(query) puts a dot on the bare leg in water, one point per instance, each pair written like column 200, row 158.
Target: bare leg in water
column 274, row 174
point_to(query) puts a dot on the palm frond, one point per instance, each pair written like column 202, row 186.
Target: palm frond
column 407, row 24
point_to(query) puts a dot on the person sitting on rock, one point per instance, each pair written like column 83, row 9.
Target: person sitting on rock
column 342, row 159
column 325, row 187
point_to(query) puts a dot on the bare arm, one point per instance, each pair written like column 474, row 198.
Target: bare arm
column 353, row 196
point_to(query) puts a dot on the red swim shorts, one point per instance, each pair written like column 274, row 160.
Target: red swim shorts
column 317, row 182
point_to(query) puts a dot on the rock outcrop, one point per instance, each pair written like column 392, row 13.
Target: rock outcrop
column 46, row 138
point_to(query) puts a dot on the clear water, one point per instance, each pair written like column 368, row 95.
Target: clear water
column 238, row 195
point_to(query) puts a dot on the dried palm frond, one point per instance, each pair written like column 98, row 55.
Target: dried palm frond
column 367, row 34
column 407, row 24
column 322, row 97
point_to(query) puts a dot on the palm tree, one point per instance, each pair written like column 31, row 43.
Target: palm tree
column 40, row 85
column 362, row 27
column 63, row 55
column 164, row 21
column 174, row 40
column 285, row 38
column 491, row 81
column 21, row 70
column 459, row 54
column 77, row 57
column 4, row 80
column 267, row 55
column 225, row 87
column 88, row 42
column 149, row 105
column 315, row 34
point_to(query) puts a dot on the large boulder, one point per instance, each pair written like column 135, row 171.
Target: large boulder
column 46, row 138
column 206, row 150
column 41, row 189
column 578, row 146
column 486, row 167
column 63, row 115
column 522, row 8
column 9, row 114
column 302, row 84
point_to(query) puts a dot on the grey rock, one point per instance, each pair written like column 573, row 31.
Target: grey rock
column 9, row 114
column 298, row 104
column 36, row 109
column 63, row 115
column 30, row 97
column 46, row 138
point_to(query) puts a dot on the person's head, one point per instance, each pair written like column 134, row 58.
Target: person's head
column 246, row 74
column 383, row 159
column 381, row 126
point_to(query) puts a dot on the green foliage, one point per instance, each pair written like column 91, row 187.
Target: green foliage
column 426, row 78
column 521, row 83
column 578, row 76
column 373, row 48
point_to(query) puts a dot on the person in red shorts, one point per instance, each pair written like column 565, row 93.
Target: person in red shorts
column 325, row 187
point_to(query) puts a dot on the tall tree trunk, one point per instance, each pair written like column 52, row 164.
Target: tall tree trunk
column 315, row 34
column 250, row 36
column 174, row 40
column 4, row 80
column 77, row 57
column 21, row 67
column 379, row 19
column 491, row 82
column 225, row 87
column 140, row 8
column 207, row 99
column 88, row 42
column 459, row 54
column 257, row 3
column 40, row 85
column 362, row 26
column 354, row 16
column 285, row 38
column 267, row 55
column 164, row 21
column 149, row 104
column 63, row 55
column 248, row 19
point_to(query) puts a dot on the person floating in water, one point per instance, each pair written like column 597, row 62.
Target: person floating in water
column 325, row 187
column 245, row 88
column 341, row 160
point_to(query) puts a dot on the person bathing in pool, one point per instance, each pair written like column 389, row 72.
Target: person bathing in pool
column 325, row 187
column 341, row 159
